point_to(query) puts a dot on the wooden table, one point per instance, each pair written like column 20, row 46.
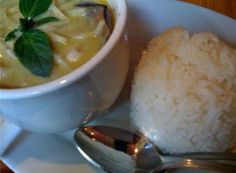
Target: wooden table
column 227, row 7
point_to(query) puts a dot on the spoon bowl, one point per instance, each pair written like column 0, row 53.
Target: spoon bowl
column 120, row 151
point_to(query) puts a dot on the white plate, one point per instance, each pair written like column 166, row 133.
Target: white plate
column 37, row 153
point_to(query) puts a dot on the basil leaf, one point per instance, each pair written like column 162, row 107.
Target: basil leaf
column 11, row 35
column 34, row 52
column 45, row 20
column 32, row 8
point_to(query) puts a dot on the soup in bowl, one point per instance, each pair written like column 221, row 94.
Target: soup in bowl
column 79, row 78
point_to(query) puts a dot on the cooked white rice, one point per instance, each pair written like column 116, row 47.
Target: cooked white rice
column 184, row 93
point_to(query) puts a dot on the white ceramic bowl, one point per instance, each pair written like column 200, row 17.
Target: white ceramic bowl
column 65, row 103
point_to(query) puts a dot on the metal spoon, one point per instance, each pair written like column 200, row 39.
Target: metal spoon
column 119, row 151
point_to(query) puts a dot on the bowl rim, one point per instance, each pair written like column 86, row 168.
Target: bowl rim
column 65, row 80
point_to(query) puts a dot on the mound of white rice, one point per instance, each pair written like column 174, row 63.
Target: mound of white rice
column 184, row 93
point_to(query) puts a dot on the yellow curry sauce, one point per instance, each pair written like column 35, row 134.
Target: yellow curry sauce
column 75, row 38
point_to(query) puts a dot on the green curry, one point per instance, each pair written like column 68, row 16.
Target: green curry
column 82, row 29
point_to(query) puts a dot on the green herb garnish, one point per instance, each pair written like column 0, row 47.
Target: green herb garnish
column 33, row 48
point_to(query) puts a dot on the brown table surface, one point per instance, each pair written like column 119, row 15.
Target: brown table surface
column 227, row 7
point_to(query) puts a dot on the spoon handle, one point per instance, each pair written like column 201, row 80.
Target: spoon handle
column 209, row 156
column 224, row 168
column 217, row 162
